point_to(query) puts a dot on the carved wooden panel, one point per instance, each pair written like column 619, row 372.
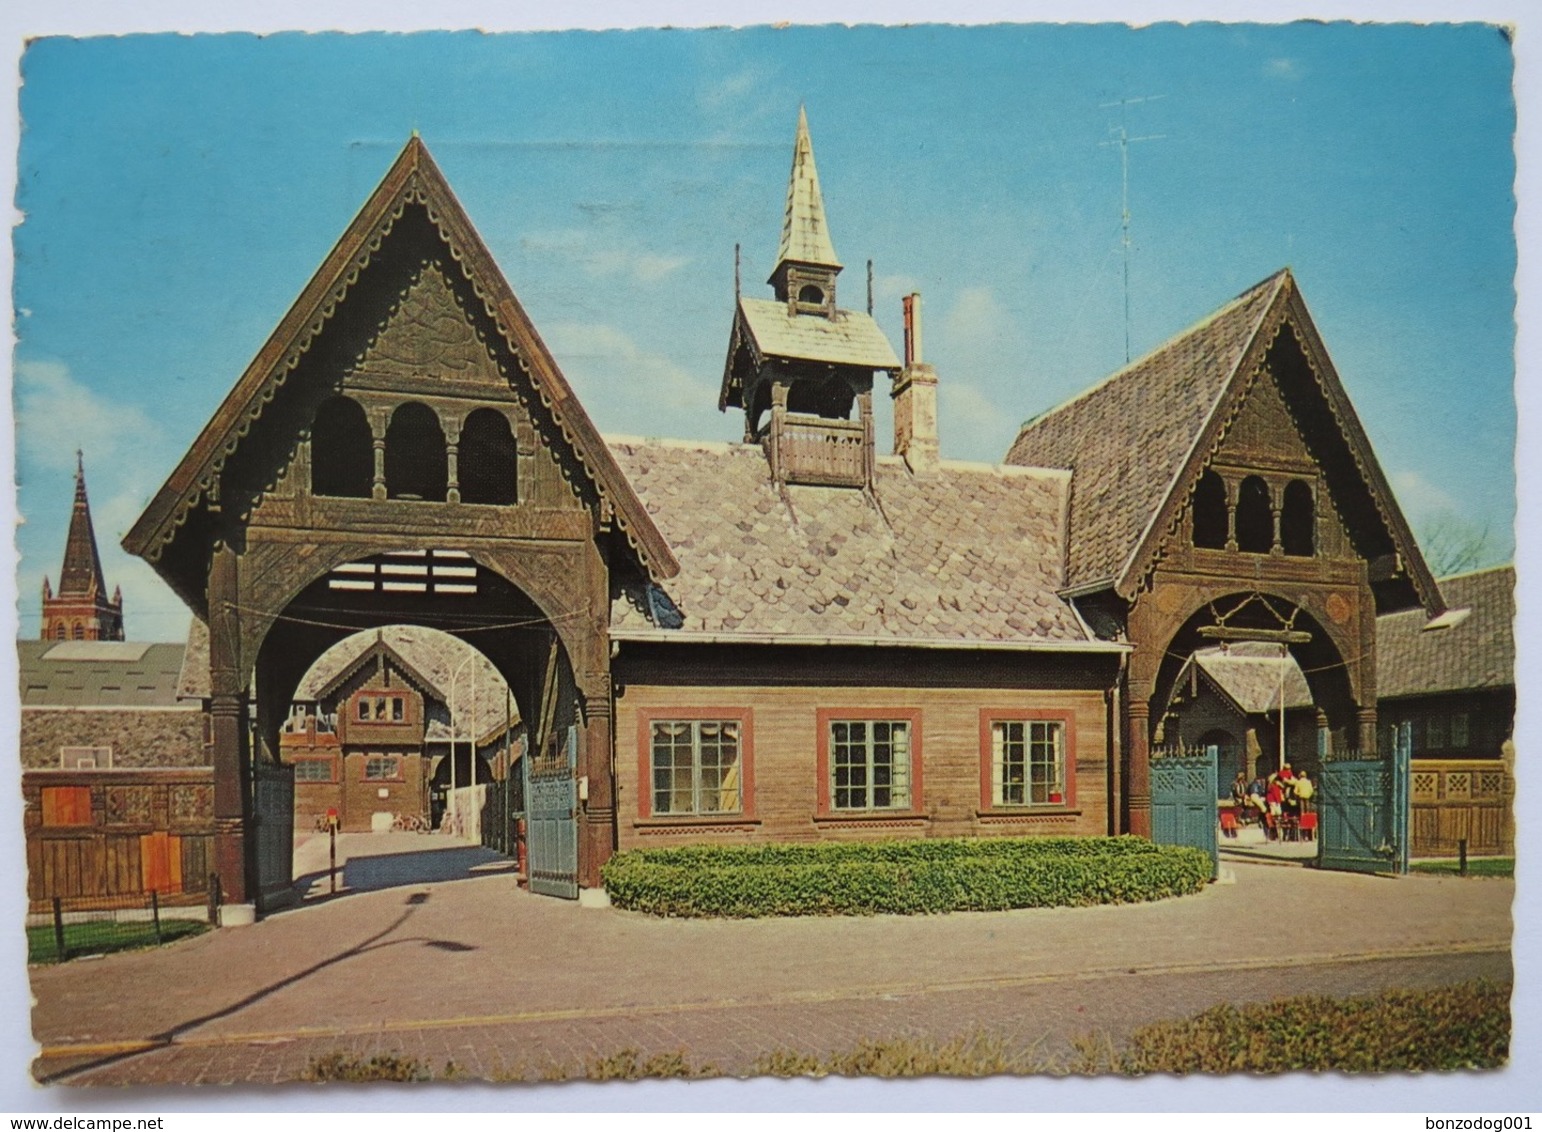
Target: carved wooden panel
column 1264, row 434
column 192, row 805
column 428, row 334
column 129, row 805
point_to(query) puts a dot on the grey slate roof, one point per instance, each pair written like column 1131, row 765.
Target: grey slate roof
column 1127, row 438
column 127, row 674
column 1477, row 651
column 1249, row 672
column 970, row 554
column 433, row 655
column 850, row 339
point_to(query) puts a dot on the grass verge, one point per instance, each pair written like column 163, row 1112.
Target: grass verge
column 1476, row 867
column 105, row 938
column 1463, row 1026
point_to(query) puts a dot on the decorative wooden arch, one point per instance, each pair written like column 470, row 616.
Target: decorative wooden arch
column 409, row 306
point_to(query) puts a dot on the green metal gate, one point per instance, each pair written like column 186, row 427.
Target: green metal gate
column 1363, row 808
column 1183, row 800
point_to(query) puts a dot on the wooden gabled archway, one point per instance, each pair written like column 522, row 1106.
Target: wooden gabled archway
column 341, row 443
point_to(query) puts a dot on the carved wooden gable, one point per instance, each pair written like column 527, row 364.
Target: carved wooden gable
column 427, row 334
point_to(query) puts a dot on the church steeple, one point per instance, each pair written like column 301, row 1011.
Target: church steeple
column 81, row 610
column 806, row 265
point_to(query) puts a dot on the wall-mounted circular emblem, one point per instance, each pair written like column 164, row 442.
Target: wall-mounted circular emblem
column 1339, row 609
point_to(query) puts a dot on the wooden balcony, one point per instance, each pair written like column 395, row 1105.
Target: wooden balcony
column 818, row 451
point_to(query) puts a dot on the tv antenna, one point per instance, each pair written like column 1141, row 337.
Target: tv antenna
column 1120, row 136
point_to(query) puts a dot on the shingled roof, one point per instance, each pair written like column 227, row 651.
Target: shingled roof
column 1249, row 673
column 971, row 555
column 1475, row 649
column 1128, row 438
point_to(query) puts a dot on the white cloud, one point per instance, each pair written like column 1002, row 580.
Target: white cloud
column 55, row 415
column 975, row 315
column 578, row 246
column 1420, row 498
column 1283, row 68
column 604, row 363
column 972, row 425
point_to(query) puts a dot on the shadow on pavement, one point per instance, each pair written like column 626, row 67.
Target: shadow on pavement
column 372, row 873
column 169, row 1036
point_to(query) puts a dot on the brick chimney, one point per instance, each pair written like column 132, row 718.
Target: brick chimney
column 915, row 399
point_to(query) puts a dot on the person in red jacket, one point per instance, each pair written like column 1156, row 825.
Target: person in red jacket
column 1274, row 797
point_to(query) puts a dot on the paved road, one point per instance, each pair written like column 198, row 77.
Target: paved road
column 478, row 972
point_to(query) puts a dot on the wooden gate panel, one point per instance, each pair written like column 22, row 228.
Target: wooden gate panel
column 1355, row 831
column 1183, row 801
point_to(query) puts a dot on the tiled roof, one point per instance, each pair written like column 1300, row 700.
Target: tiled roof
column 124, row 674
column 850, row 339
column 1249, row 672
column 1476, row 651
column 437, row 657
column 1126, row 439
column 970, row 554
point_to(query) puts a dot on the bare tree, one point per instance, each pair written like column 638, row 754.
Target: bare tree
column 1452, row 545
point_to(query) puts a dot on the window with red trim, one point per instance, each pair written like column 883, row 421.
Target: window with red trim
column 869, row 761
column 695, row 763
column 1026, row 760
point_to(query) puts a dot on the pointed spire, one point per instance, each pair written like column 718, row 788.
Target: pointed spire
column 82, row 569
column 805, row 234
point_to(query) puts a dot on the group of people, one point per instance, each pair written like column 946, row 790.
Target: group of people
column 1282, row 795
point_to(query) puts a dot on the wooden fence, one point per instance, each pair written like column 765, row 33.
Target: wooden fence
column 118, row 832
column 1455, row 800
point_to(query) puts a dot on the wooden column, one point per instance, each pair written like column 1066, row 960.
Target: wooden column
column 1231, row 514
column 452, row 460
column 1137, row 763
column 597, row 824
column 228, row 712
column 378, row 423
column 1366, row 717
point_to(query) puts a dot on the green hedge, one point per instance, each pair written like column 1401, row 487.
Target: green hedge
column 905, row 877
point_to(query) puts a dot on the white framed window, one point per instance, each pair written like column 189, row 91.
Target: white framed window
column 696, row 766
column 1028, row 762
column 85, row 758
column 869, row 764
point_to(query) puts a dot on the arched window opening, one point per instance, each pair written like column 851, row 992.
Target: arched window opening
column 1255, row 517
column 486, row 458
column 79, row 631
column 1298, row 520
column 415, row 463
column 1210, row 512
column 60, row 632
column 811, row 295
column 342, row 450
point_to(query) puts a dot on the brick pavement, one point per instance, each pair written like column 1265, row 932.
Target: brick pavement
column 504, row 983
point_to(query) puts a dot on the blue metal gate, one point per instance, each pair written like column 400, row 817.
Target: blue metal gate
column 1363, row 805
column 551, row 796
column 1183, row 800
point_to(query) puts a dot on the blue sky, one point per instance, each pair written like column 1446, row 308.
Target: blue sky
column 179, row 191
